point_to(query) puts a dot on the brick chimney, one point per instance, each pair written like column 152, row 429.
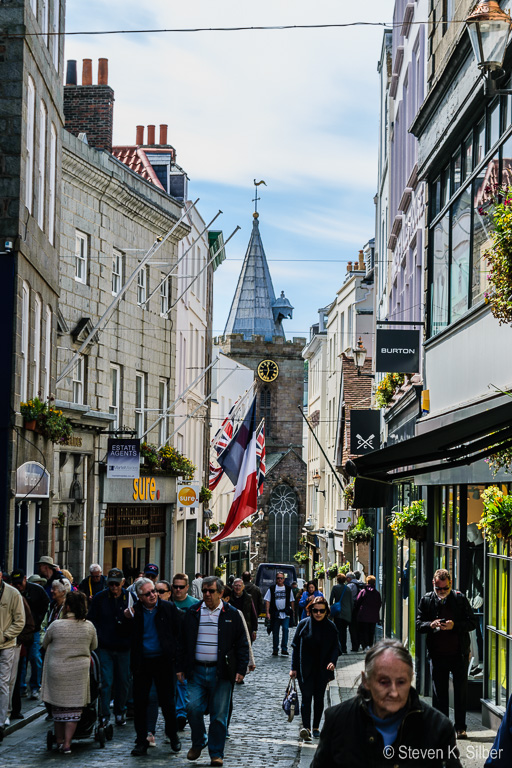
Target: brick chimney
column 89, row 108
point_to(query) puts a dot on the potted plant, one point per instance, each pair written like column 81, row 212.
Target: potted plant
column 410, row 522
column 204, row 495
column 301, row 557
column 348, row 494
column 31, row 412
column 500, row 460
column 174, row 461
column 360, row 532
column 332, row 572
column 213, row 527
column 220, row 570
column 150, row 455
column 204, row 544
column 319, row 571
column 387, row 387
column 345, row 568
column 246, row 524
column 49, row 421
column 496, row 520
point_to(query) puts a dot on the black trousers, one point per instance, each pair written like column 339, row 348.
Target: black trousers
column 354, row 635
column 440, row 668
column 160, row 671
column 366, row 633
column 342, row 626
column 313, row 691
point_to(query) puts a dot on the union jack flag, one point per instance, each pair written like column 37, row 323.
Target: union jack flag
column 223, row 437
column 215, row 476
column 260, row 455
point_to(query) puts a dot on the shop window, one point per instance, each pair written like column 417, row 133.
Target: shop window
column 493, row 125
column 468, row 156
column 461, row 239
column 440, row 276
column 483, row 187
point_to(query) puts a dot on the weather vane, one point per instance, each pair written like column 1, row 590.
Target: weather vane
column 256, row 198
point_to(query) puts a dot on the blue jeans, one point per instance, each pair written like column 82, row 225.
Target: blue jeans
column 115, row 671
column 285, row 624
column 181, row 699
column 36, row 665
column 206, row 692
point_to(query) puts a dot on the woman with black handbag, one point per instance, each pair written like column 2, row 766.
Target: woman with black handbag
column 315, row 651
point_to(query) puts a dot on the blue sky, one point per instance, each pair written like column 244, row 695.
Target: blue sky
column 297, row 108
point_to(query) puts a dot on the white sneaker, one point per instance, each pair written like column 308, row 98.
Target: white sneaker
column 151, row 740
column 7, row 721
column 305, row 734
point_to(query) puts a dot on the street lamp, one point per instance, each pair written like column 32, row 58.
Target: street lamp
column 359, row 356
column 489, row 30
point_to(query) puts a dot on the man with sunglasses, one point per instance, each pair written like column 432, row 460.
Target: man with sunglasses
column 183, row 601
column 216, row 656
column 447, row 618
column 156, row 648
column 279, row 607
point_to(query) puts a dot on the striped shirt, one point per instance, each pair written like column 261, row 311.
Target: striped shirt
column 208, row 634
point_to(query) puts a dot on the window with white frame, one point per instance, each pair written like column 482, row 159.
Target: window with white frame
column 36, row 365
column 55, row 30
column 115, row 394
column 164, row 296
column 81, row 249
column 142, row 285
column 163, row 404
column 47, row 352
column 140, row 399
column 52, row 184
column 117, row 271
column 45, row 19
column 79, row 381
column 29, row 143
column 41, row 165
column 25, row 324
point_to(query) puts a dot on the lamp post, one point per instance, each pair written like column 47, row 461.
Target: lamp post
column 489, row 31
column 359, row 356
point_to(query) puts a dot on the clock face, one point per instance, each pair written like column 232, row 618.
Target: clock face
column 268, row 370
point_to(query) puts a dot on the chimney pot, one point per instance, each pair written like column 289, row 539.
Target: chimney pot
column 349, row 266
column 102, row 71
column 87, row 72
column 361, row 260
column 139, row 135
column 71, row 72
column 163, row 134
column 151, row 134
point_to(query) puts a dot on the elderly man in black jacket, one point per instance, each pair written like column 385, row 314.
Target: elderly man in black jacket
column 155, row 652
column 447, row 618
column 216, row 656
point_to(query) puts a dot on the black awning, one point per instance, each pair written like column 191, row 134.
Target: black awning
column 460, row 437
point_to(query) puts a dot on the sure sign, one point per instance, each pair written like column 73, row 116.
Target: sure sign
column 188, row 495
column 144, row 489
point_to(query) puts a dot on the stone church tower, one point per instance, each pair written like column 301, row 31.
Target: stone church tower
column 254, row 336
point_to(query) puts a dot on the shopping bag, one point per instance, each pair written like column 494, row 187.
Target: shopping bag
column 291, row 700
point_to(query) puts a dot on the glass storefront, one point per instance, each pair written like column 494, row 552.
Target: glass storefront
column 234, row 555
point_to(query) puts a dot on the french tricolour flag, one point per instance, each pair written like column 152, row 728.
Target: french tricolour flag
column 245, row 502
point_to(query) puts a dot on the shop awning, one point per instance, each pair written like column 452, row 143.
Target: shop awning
column 459, row 437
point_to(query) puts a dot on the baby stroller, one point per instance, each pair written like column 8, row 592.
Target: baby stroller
column 90, row 724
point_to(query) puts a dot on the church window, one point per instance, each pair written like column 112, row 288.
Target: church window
column 283, row 524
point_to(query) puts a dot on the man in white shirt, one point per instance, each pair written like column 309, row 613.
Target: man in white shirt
column 279, row 605
column 216, row 657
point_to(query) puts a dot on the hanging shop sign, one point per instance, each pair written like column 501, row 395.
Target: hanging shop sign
column 123, row 459
column 397, row 351
column 188, row 495
column 343, row 519
column 364, row 432
column 32, row 481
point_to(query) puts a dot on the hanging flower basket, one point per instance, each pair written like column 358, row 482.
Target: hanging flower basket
column 44, row 418
column 345, row 568
column 348, row 494
column 332, row 573
column 496, row 521
column 410, row 522
column 360, row 533
column 213, row 527
column 320, row 571
column 387, row 387
column 219, row 570
column 204, row 544
column 246, row 524
column 301, row 557
column 204, row 495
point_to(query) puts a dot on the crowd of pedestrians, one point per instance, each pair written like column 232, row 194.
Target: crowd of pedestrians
column 181, row 648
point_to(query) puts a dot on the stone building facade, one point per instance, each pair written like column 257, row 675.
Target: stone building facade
column 30, row 150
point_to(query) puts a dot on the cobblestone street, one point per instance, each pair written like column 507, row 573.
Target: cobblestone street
column 260, row 733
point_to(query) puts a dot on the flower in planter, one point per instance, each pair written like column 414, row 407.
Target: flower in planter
column 246, row 524
column 496, row 520
column 410, row 522
column 204, row 544
column 174, row 461
column 360, row 532
column 150, row 455
column 387, row 387
column 320, row 571
column 220, row 570
column 348, row 494
column 213, row 527
column 345, row 568
column 50, row 421
column 204, row 495
column 301, row 557
column 332, row 572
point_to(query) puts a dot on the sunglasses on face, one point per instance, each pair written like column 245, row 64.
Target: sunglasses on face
column 162, row 591
column 318, row 610
column 179, row 586
column 441, row 589
column 209, row 591
column 149, row 592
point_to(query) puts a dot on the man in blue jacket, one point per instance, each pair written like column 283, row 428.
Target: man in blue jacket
column 106, row 612
column 216, row 656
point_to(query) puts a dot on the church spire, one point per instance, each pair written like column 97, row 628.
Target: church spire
column 254, row 310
